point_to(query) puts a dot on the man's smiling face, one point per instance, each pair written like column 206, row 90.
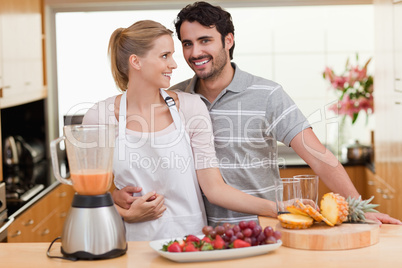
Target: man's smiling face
column 203, row 49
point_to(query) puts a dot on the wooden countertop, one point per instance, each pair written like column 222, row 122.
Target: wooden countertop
column 386, row 253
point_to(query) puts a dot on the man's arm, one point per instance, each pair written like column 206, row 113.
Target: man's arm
column 329, row 169
column 138, row 209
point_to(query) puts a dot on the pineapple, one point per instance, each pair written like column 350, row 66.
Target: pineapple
column 296, row 210
column 295, row 221
column 313, row 213
column 337, row 210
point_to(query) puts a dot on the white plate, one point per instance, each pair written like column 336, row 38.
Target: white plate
column 212, row 255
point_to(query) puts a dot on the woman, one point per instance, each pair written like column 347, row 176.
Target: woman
column 164, row 142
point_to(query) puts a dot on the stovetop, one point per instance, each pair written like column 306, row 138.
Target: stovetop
column 24, row 182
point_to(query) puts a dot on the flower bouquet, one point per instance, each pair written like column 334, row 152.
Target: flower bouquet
column 355, row 89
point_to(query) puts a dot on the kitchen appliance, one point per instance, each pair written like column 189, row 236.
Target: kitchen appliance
column 18, row 150
column 93, row 228
column 4, row 222
column 24, row 171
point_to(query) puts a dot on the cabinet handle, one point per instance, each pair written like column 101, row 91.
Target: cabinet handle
column 17, row 233
column 371, row 183
column 45, row 232
column 27, row 83
column 63, row 214
column 63, row 194
column 386, row 196
column 1, row 90
column 29, row 222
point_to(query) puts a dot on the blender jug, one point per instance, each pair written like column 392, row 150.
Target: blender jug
column 93, row 228
column 90, row 157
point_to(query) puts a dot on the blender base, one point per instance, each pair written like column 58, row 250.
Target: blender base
column 82, row 255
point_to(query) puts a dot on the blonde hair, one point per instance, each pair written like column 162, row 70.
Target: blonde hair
column 136, row 39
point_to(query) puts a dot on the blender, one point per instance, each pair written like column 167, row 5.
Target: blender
column 93, row 228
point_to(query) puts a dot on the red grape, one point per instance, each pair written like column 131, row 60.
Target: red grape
column 212, row 234
column 227, row 226
column 270, row 240
column 252, row 224
column 261, row 237
column 207, row 229
column 277, row 235
column 220, row 230
column 254, row 241
column 236, row 229
column 257, row 230
column 243, row 225
column 247, row 232
column 268, row 231
column 229, row 233
column 239, row 235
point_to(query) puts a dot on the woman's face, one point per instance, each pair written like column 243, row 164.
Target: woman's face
column 157, row 65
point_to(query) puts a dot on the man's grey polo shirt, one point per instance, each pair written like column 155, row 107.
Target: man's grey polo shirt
column 249, row 117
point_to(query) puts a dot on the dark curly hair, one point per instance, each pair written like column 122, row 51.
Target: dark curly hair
column 207, row 15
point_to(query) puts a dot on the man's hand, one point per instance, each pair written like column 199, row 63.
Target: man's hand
column 143, row 208
column 382, row 218
column 124, row 197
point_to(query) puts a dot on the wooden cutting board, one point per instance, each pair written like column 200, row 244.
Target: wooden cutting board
column 323, row 237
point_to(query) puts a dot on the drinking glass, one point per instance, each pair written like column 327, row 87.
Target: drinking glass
column 309, row 189
column 287, row 191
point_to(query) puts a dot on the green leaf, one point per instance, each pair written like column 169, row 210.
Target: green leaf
column 355, row 115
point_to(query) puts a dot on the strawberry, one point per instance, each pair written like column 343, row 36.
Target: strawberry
column 206, row 239
column 206, row 246
column 191, row 238
column 174, row 247
column 218, row 243
column 190, row 246
column 238, row 243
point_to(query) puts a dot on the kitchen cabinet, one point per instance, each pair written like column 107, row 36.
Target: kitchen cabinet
column 21, row 52
column 398, row 47
column 356, row 173
column 388, row 104
column 44, row 221
column 21, row 56
column 383, row 192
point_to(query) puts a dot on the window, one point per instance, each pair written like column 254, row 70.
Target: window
column 290, row 45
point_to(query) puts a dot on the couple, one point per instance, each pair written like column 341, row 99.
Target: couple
column 249, row 115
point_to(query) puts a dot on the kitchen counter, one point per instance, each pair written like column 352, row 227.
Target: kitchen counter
column 139, row 254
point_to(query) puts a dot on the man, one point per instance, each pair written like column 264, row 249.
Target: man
column 249, row 115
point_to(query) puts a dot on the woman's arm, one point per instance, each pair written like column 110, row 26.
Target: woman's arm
column 221, row 194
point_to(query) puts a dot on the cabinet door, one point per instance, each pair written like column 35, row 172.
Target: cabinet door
column 21, row 45
column 44, row 221
column 398, row 47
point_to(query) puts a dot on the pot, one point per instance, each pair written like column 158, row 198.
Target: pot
column 358, row 152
